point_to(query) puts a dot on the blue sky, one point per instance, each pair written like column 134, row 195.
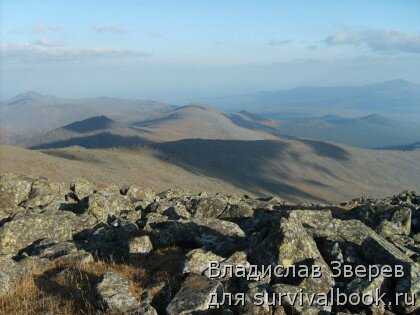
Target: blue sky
column 186, row 50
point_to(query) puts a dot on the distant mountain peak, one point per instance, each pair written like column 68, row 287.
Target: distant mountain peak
column 375, row 118
column 32, row 93
column 28, row 95
column 195, row 106
column 91, row 124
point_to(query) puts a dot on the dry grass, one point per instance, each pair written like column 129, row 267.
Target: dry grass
column 69, row 287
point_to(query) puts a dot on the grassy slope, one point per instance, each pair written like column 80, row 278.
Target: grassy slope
column 294, row 169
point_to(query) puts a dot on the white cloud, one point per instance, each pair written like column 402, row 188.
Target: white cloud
column 108, row 29
column 45, row 50
column 378, row 40
column 46, row 42
column 279, row 42
column 42, row 27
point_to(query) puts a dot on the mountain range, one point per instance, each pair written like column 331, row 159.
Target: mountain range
column 31, row 112
column 396, row 97
column 298, row 156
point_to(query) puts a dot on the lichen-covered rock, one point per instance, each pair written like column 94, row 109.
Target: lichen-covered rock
column 142, row 197
column 195, row 295
column 157, row 294
column 43, row 225
column 177, row 193
column 10, row 273
column 173, row 209
column 237, row 210
column 197, row 260
column 53, row 251
column 25, row 230
column 82, row 187
column 364, row 287
column 235, row 261
column 210, row 207
column 14, row 189
column 288, row 244
column 402, row 220
column 114, row 294
column 44, row 193
column 102, row 207
column 294, row 306
column 140, row 245
column 253, row 306
column 203, row 231
column 377, row 250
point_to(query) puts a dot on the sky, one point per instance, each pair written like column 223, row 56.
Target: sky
column 182, row 51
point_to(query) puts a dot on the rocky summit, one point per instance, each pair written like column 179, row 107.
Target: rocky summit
column 89, row 248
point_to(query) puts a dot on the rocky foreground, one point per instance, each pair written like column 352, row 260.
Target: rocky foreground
column 88, row 249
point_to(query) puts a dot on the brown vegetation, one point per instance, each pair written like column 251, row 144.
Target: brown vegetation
column 68, row 287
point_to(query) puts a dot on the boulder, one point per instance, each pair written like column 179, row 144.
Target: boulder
column 364, row 287
column 141, row 197
column 45, row 193
column 114, row 294
column 82, row 188
column 197, row 261
column 174, row 209
column 288, row 244
column 177, row 193
column 376, row 249
column 10, row 273
column 140, row 245
column 53, row 251
column 236, row 260
column 103, row 207
column 14, row 189
column 205, row 231
column 293, row 306
column 210, row 207
column 251, row 305
column 195, row 295
column 26, row 230
column 238, row 210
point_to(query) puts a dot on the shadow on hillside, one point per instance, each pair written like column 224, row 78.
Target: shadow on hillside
column 90, row 124
column 100, row 140
column 252, row 165
column 70, row 156
column 256, row 125
column 326, row 149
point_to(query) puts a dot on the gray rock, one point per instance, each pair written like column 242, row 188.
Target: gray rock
column 24, row 231
column 140, row 245
column 197, row 261
column 114, row 294
column 362, row 286
column 82, row 187
column 102, row 206
column 174, row 210
column 142, row 197
column 238, row 210
column 377, row 249
column 203, row 231
column 194, row 295
column 289, row 244
column 294, row 306
column 45, row 193
column 236, row 260
column 14, row 189
column 250, row 306
column 10, row 273
column 54, row 251
column 210, row 207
